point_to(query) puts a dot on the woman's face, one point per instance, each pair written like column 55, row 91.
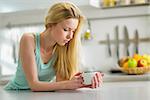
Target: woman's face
column 64, row 31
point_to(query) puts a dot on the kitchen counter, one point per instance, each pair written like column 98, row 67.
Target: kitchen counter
column 138, row 90
column 117, row 77
column 108, row 77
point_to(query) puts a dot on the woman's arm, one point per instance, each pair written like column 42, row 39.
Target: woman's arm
column 27, row 56
column 96, row 81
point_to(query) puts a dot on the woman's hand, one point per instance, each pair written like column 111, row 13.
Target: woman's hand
column 96, row 81
column 75, row 83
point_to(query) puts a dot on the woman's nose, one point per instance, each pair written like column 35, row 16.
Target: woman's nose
column 70, row 35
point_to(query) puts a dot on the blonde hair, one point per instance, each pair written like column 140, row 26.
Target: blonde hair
column 67, row 56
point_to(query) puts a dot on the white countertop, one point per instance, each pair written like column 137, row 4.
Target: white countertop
column 119, row 77
column 108, row 77
column 139, row 90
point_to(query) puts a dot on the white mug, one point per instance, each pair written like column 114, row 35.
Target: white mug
column 87, row 77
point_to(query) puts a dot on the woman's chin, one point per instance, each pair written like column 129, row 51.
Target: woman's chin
column 62, row 44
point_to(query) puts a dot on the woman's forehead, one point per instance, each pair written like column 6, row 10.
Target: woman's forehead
column 71, row 23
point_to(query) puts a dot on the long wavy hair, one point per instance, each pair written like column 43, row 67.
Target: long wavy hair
column 67, row 56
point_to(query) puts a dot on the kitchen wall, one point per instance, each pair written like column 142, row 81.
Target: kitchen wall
column 97, row 54
column 102, row 21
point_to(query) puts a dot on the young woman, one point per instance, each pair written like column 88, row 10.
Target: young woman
column 53, row 52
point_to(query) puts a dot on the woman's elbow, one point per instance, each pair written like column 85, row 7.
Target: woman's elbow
column 34, row 86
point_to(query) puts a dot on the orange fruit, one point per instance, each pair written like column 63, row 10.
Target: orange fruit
column 137, row 57
column 125, row 65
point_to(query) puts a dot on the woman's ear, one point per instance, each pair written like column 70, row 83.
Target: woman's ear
column 48, row 26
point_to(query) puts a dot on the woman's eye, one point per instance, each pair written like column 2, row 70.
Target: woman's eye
column 65, row 29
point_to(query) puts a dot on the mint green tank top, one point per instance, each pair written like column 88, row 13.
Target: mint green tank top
column 45, row 71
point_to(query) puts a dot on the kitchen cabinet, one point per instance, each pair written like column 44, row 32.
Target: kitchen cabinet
column 109, row 91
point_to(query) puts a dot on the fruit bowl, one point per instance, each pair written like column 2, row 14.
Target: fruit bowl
column 137, row 64
column 136, row 71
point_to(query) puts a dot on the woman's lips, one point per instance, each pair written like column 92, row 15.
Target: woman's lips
column 66, row 41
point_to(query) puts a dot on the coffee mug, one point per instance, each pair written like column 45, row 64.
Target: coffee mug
column 87, row 77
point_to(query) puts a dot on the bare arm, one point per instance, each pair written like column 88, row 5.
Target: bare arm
column 27, row 56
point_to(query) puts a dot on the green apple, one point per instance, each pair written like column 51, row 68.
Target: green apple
column 132, row 63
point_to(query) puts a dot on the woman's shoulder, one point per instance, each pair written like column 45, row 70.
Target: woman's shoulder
column 28, row 35
column 28, row 39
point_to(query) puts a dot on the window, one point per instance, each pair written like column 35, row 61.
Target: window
column 9, row 46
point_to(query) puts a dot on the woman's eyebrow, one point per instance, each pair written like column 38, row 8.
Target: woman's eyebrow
column 69, row 28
